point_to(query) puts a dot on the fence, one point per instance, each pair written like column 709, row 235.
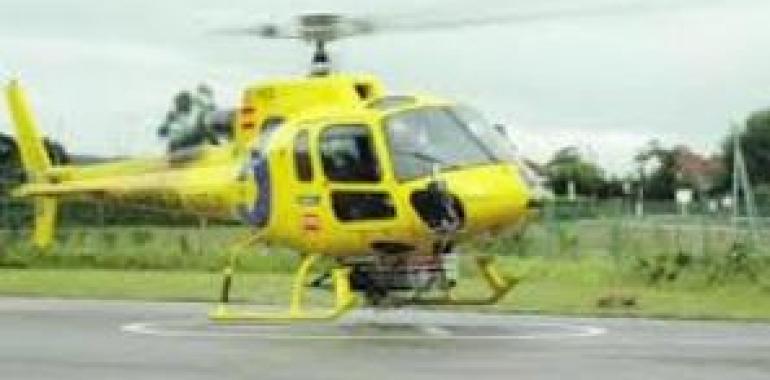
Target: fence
column 116, row 237
column 612, row 228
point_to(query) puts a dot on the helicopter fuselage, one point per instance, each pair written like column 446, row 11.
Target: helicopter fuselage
column 330, row 165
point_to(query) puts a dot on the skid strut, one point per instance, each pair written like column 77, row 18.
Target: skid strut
column 345, row 300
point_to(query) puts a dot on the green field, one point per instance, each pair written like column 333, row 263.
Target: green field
column 584, row 287
column 577, row 268
column 575, row 288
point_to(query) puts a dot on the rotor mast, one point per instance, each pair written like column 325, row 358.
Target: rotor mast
column 321, row 64
column 318, row 29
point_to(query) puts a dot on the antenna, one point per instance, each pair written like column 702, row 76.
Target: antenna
column 321, row 63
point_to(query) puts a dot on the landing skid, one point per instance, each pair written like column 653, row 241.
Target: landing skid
column 345, row 300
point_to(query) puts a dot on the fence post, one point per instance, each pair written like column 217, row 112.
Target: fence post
column 202, row 226
column 551, row 229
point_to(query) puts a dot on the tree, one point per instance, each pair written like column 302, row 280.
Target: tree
column 568, row 165
column 10, row 165
column 9, row 153
column 11, row 171
column 56, row 152
column 665, row 169
column 657, row 170
column 754, row 141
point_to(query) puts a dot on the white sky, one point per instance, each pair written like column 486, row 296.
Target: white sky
column 102, row 73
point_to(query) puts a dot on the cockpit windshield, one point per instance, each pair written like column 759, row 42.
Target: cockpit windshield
column 493, row 138
column 443, row 137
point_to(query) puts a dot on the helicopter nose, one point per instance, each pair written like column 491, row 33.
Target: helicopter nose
column 490, row 197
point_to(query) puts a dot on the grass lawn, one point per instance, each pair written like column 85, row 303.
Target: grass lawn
column 569, row 270
column 552, row 287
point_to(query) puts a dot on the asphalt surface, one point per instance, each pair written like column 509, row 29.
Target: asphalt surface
column 58, row 339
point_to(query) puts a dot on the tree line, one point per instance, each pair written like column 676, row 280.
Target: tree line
column 660, row 170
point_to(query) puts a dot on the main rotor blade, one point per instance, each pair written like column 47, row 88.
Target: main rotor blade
column 329, row 26
column 263, row 31
column 437, row 20
column 311, row 27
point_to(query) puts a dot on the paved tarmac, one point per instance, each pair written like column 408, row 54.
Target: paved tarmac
column 63, row 340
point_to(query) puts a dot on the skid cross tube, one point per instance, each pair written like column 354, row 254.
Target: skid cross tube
column 345, row 300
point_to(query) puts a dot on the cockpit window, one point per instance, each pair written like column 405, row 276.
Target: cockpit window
column 347, row 154
column 495, row 140
column 423, row 138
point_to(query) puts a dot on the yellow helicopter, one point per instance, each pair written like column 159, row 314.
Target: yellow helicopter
column 332, row 165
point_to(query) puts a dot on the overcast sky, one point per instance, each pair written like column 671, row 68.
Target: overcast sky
column 101, row 74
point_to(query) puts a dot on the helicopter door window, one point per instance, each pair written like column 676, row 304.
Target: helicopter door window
column 347, row 154
column 303, row 168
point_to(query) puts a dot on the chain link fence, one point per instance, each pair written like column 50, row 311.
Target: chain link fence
column 612, row 228
column 101, row 235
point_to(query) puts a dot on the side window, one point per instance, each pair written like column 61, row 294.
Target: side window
column 352, row 206
column 347, row 154
column 303, row 169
